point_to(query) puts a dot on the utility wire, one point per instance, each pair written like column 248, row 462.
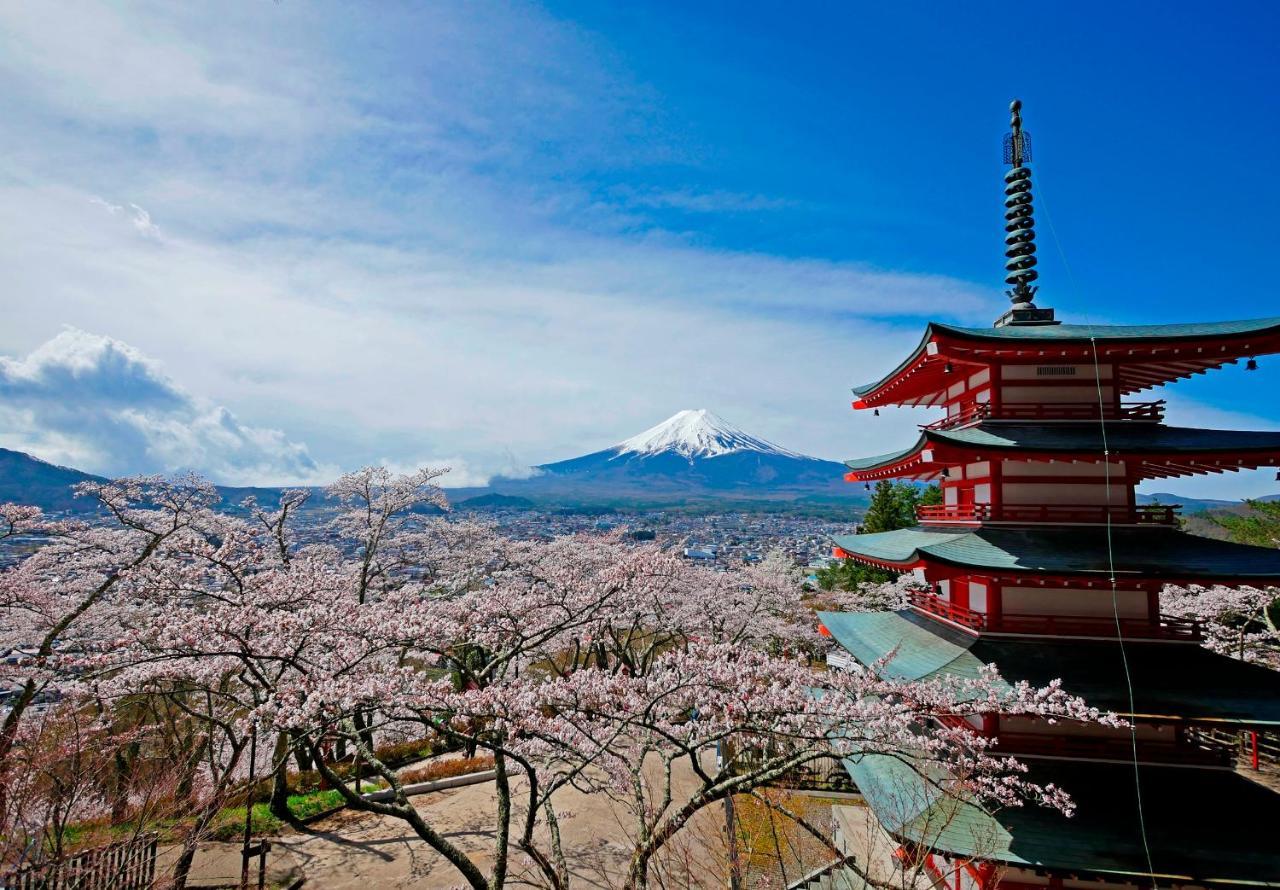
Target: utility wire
column 1111, row 560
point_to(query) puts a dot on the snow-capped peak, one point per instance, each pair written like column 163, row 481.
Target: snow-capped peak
column 696, row 434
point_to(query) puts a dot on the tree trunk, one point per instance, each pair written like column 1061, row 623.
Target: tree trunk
column 279, row 804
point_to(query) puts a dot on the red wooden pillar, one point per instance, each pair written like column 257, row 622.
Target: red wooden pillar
column 995, row 604
column 1253, row 744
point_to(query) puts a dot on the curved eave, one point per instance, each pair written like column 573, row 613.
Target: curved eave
column 916, row 462
column 936, row 450
column 1141, row 556
column 1176, row 844
column 1148, row 355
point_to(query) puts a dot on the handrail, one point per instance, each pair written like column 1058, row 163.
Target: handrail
column 1144, row 411
column 936, row 605
column 1148, row 411
column 1110, row 748
column 977, row 412
column 1166, row 627
column 1141, row 514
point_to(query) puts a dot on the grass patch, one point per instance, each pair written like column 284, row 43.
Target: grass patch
column 228, row 825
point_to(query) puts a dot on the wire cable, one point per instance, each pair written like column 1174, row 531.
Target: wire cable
column 1111, row 561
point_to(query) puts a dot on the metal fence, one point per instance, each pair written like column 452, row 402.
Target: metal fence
column 127, row 865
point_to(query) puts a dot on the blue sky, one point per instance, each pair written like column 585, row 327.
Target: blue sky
column 273, row 241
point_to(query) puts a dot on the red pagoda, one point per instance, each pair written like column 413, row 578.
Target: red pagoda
column 1039, row 560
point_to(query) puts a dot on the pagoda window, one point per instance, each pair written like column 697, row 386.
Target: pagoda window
column 1082, row 373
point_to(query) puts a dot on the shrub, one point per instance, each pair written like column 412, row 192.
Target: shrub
column 445, row 769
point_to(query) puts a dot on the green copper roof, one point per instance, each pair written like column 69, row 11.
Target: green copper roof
column 1198, row 329
column 1170, row 680
column 1143, row 438
column 921, row 648
column 1087, row 437
column 1063, row 333
column 1154, row 552
column 1202, row 825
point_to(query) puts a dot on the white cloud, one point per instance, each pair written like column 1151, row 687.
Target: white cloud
column 378, row 235
column 140, row 219
column 101, row 405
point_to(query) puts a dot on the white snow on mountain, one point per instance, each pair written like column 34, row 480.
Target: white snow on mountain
column 697, row 433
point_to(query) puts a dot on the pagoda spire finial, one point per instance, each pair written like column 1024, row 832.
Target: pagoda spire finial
column 1020, row 237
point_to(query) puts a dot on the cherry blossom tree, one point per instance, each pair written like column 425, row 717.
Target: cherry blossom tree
column 72, row 592
column 1237, row 621
column 586, row 661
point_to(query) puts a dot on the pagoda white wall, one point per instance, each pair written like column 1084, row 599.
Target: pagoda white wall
column 1036, row 493
column 1057, row 384
column 975, row 388
column 1073, row 602
column 1083, row 483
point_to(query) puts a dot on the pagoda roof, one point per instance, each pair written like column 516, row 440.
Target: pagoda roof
column 1087, row 438
column 1189, row 833
column 1170, row 681
column 1168, row 352
column 1139, row 553
column 1058, row 332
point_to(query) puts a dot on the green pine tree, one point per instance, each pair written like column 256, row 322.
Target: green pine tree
column 1258, row 525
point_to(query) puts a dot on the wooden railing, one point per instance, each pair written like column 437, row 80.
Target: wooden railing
column 936, row 605
column 964, row 418
column 127, row 865
column 1143, row 514
column 1165, row 627
column 1149, row 751
column 1148, row 411
column 1194, row 749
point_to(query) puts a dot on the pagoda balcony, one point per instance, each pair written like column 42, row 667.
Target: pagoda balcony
column 1057, row 514
column 1189, row 751
column 1165, row 627
column 941, row 608
column 1152, row 412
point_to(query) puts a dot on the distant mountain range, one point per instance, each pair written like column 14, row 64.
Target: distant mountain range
column 693, row 459
column 28, row 480
column 25, row 479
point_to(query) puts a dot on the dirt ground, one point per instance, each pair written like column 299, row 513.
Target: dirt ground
column 363, row 851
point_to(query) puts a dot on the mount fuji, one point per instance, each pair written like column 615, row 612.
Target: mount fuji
column 692, row 455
